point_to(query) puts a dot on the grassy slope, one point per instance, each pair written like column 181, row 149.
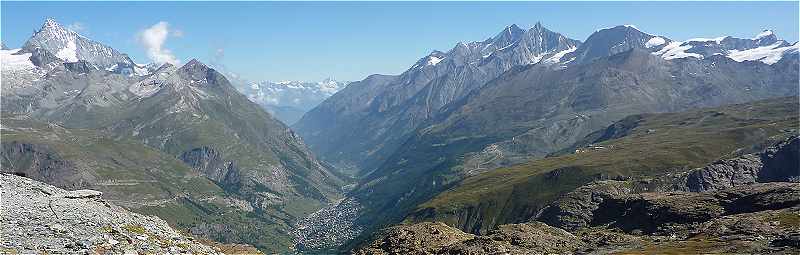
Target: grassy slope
column 680, row 141
column 162, row 185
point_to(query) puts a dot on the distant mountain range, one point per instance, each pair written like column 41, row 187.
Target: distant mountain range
column 390, row 107
column 289, row 100
column 174, row 141
column 523, row 95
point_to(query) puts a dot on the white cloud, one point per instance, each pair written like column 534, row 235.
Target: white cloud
column 153, row 39
column 77, row 27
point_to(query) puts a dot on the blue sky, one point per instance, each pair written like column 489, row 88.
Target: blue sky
column 350, row 40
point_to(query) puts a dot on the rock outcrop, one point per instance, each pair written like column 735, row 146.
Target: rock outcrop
column 438, row 238
column 777, row 163
column 748, row 219
column 39, row 218
column 209, row 161
column 658, row 211
column 41, row 162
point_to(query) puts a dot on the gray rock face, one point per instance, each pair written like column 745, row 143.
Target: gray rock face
column 41, row 163
column 579, row 208
column 69, row 46
column 388, row 108
column 615, row 40
column 652, row 212
column 781, row 162
column 576, row 209
column 209, row 162
column 778, row 163
column 725, row 174
column 39, row 218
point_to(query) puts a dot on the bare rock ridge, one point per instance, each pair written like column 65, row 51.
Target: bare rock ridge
column 40, row 218
column 608, row 216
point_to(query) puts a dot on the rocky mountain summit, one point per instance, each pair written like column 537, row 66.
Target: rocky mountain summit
column 55, row 40
column 40, row 218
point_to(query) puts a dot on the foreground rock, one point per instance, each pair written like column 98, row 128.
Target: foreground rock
column 39, row 218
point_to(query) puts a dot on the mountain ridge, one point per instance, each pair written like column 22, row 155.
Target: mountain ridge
column 191, row 113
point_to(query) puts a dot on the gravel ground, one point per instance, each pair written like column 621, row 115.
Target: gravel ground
column 39, row 218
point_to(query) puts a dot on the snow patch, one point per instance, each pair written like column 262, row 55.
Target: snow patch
column 432, row 61
column 676, row 50
column 69, row 53
column 557, row 57
column 16, row 62
column 770, row 54
column 655, row 41
column 763, row 34
column 140, row 70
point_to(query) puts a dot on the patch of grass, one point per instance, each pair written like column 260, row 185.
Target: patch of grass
column 691, row 246
column 135, row 229
column 788, row 220
column 106, row 229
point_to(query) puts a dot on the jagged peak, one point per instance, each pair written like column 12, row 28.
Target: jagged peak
column 50, row 25
column 194, row 64
column 51, row 22
column 510, row 33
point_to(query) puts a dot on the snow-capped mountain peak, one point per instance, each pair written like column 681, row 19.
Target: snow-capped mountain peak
column 764, row 47
column 763, row 34
column 69, row 46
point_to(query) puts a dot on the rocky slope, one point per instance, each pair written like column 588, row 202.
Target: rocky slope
column 688, row 223
column 738, row 215
column 658, row 145
column 40, row 218
column 262, row 169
